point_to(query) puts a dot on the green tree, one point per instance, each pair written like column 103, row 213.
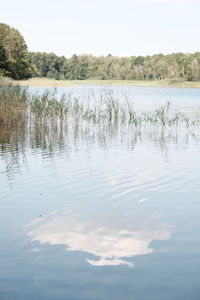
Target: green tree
column 3, row 61
column 16, row 52
column 193, row 70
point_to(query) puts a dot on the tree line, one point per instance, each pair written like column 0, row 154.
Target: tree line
column 16, row 62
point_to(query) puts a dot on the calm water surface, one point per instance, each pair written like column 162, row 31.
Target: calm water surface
column 102, row 213
column 143, row 97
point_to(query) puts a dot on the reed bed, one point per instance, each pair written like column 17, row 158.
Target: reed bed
column 13, row 107
column 61, row 123
column 19, row 107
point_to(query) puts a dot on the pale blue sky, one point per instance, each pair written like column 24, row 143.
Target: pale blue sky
column 100, row 27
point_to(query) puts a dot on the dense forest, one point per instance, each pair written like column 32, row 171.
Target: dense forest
column 16, row 62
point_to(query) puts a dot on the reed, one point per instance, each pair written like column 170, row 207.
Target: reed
column 14, row 104
column 18, row 107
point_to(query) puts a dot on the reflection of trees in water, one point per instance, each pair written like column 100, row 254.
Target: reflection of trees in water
column 53, row 137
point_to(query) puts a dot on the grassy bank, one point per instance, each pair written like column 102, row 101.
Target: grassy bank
column 4, row 82
column 54, row 83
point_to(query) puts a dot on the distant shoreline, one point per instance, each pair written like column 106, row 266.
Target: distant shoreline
column 62, row 83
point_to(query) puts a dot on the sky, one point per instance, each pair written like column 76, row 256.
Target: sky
column 102, row 27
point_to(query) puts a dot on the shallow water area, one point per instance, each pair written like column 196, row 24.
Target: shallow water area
column 142, row 97
column 94, row 212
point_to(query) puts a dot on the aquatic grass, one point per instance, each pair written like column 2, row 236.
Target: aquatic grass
column 19, row 107
column 107, row 109
column 14, row 103
column 56, row 124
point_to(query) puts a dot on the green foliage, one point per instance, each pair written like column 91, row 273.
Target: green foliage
column 157, row 67
column 46, row 65
column 3, row 61
column 17, row 63
column 13, row 53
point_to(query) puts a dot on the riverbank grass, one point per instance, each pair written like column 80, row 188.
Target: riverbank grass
column 56, row 83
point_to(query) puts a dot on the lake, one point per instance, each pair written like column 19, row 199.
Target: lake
column 102, row 212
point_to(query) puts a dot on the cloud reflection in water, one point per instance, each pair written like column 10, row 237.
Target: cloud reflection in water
column 111, row 244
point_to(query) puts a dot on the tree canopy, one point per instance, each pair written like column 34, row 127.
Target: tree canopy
column 13, row 53
column 18, row 63
column 155, row 67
